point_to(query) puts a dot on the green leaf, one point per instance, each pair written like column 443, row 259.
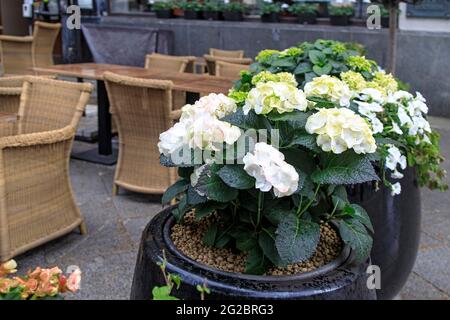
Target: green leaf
column 181, row 209
column 345, row 168
column 300, row 117
column 193, row 198
column 296, row 239
column 210, row 184
column 306, row 140
column 163, row 293
column 288, row 62
column 249, row 121
column 174, row 190
column 358, row 212
column 246, row 242
column 303, row 67
column 338, row 202
column 355, row 235
column 276, row 214
column 302, row 160
column 222, row 240
column 321, row 103
column 326, row 69
column 317, row 57
column 210, row 235
column 256, row 262
column 176, row 279
column 185, row 172
column 309, row 76
column 266, row 241
column 207, row 208
column 235, row 176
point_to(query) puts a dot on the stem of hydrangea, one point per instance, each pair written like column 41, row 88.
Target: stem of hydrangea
column 260, row 202
column 309, row 203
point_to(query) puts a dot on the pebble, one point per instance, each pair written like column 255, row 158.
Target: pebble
column 188, row 238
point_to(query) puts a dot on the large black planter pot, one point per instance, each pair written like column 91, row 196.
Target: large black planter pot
column 192, row 14
column 164, row 14
column 307, row 18
column 211, row 15
column 341, row 279
column 396, row 222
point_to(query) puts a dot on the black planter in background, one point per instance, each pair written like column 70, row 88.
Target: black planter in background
column 164, row 14
column 270, row 17
column 385, row 22
column 307, row 18
column 233, row 16
column 340, row 279
column 211, row 15
column 396, row 221
column 339, row 20
column 192, row 14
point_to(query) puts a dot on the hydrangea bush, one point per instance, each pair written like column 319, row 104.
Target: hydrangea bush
column 273, row 158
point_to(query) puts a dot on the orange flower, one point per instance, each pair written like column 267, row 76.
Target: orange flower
column 73, row 282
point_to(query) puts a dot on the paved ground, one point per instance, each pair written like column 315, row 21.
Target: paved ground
column 107, row 254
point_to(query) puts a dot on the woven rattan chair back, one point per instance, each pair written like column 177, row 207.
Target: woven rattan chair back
column 211, row 62
column 10, row 91
column 15, row 54
column 36, row 199
column 230, row 70
column 141, row 109
column 226, row 53
column 48, row 104
column 44, row 38
column 170, row 63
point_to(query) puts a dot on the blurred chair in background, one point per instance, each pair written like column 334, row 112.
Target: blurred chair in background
column 230, row 70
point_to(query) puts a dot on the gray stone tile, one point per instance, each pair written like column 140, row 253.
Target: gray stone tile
column 419, row 289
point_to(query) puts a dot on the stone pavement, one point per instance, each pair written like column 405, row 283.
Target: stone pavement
column 107, row 254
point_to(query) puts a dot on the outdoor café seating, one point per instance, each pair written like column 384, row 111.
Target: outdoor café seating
column 36, row 196
column 239, row 54
column 20, row 54
column 142, row 110
column 211, row 62
column 231, row 70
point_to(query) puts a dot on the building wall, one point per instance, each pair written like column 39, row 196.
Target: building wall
column 421, row 24
column 423, row 59
column 12, row 20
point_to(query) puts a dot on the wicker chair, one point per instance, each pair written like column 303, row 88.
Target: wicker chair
column 211, row 62
column 36, row 198
column 142, row 109
column 230, row 70
column 226, row 53
column 170, row 63
column 10, row 91
column 20, row 54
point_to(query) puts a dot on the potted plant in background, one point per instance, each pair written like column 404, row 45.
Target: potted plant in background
column 177, row 9
column 233, row 11
column 270, row 11
column 306, row 12
column 163, row 10
column 192, row 9
column 399, row 120
column 340, row 14
column 212, row 10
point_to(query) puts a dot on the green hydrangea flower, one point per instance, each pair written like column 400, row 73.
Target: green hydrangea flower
column 264, row 55
column 354, row 80
column 238, row 96
column 291, row 52
column 266, row 76
column 338, row 48
column 385, row 81
column 360, row 63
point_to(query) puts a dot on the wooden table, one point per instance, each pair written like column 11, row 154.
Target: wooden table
column 192, row 84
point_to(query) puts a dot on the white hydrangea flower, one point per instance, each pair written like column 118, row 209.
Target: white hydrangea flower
column 209, row 133
column 266, row 164
column 403, row 116
column 339, row 129
column 173, row 139
column 377, row 125
column 396, row 189
column 372, row 94
column 217, row 105
column 396, row 128
column 200, row 127
column 395, row 158
column 331, row 88
column 397, row 174
column 279, row 96
column 398, row 96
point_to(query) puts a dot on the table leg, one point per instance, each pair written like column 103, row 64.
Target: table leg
column 105, row 154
